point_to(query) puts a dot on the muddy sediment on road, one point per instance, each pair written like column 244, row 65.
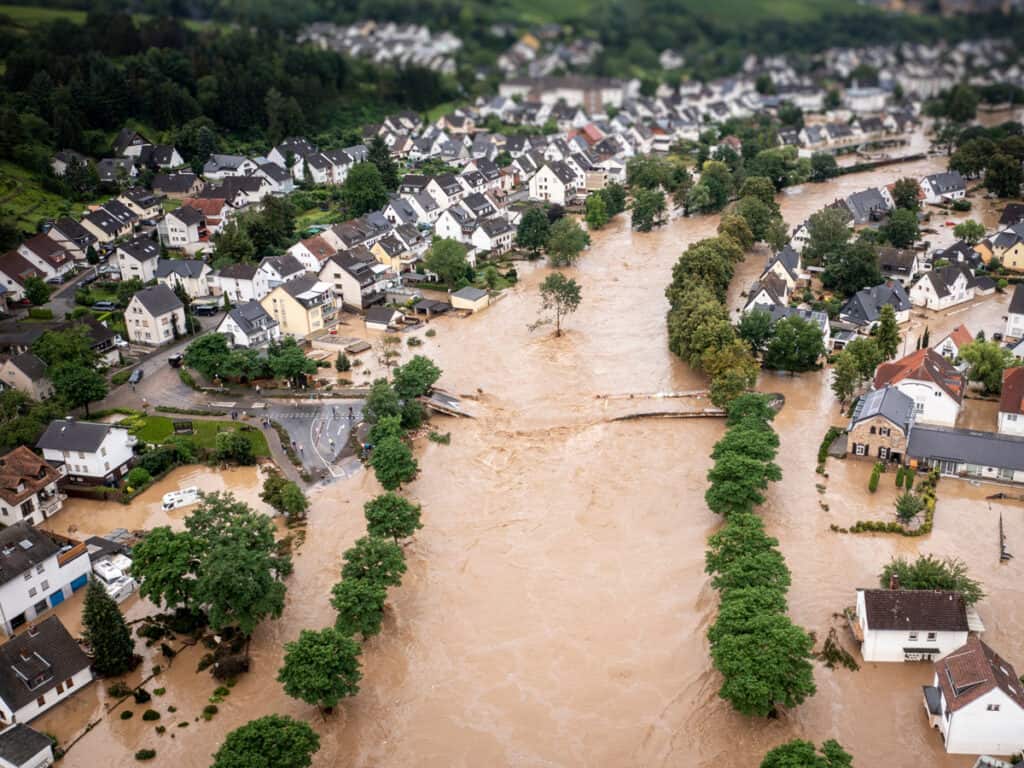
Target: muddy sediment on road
column 555, row 608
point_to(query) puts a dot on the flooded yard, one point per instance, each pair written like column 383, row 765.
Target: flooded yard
column 555, row 608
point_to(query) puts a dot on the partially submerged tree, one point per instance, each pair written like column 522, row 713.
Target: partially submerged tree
column 561, row 295
column 566, row 242
column 930, row 572
column 274, row 741
column 393, row 463
column 801, row 754
column 360, row 606
column 375, row 560
column 106, row 633
column 392, row 516
column 321, row 668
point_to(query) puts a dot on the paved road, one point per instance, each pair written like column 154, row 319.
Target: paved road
column 319, row 430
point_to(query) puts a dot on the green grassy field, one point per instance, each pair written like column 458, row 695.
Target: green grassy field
column 156, row 429
column 28, row 16
column 22, row 195
column 732, row 12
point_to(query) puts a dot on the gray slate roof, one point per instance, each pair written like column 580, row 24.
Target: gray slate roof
column 1017, row 302
column 53, row 657
column 251, row 316
column 888, row 402
column 985, row 449
column 470, row 293
column 71, row 435
column 158, row 300
column 19, row 744
column 30, row 365
column 23, row 547
column 141, row 248
column 180, row 267
column 865, row 306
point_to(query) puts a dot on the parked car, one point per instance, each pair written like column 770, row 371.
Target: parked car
column 136, row 376
column 175, row 360
column 119, row 342
column 55, row 280
column 105, row 306
column 204, row 309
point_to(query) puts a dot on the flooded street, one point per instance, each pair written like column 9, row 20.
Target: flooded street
column 555, row 608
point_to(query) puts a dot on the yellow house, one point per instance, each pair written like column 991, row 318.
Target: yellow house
column 301, row 306
column 1008, row 247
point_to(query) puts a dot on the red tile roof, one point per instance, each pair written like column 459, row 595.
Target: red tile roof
column 973, row 670
column 923, row 365
column 961, row 336
column 1012, row 399
column 23, row 469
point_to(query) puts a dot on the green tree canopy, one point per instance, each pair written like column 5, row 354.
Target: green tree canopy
column 106, row 633
column 852, row 267
column 801, row 754
column 969, row 231
column 393, row 463
column 930, row 572
column 533, row 230
column 827, row 232
column 415, row 378
column 649, row 206
column 561, row 295
column 566, row 242
column 375, row 560
column 988, row 360
column 447, row 259
column 796, row 345
column 321, row 668
column 392, row 516
column 78, row 385
column 596, row 214
column 756, row 328
column 905, row 194
column 360, row 606
column 901, row 230
column 274, row 741
column 887, row 334
column 363, row 190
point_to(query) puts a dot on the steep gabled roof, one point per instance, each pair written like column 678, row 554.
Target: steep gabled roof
column 923, row 365
column 973, row 670
column 915, row 610
column 158, row 300
column 1012, row 398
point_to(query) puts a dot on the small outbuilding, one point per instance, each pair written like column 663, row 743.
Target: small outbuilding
column 473, row 299
column 382, row 318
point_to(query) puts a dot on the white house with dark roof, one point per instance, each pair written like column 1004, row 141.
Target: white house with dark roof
column 23, row 747
column 137, row 259
column 976, row 702
column 899, row 264
column 864, row 308
column 1015, row 314
column 967, row 453
column 72, row 236
column 141, row 202
column 38, row 571
column 908, row 624
column 358, row 278
column 553, row 183
column 281, row 182
column 26, row 373
column 39, row 669
column 88, row 452
column 494, row 235
column 220, row 166
column 240, row 283
column 249, row 325
column 193, row 275
column 935, row 385
column 943, row 187
column 280, row 269
column 154, row 316
column 47, row 255
column 184, row 228
column 944, row 287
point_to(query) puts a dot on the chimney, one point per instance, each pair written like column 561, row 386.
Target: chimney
column 894, row 582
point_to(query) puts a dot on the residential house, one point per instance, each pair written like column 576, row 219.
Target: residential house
column 249, row 325
column 88, row 452
column 302, row 306
column 28, row 487
column 141, row 202
column 154, row 316
column 239, row 191
column 291, row 154
column 215, row 210
column 14, row 271
column 358, row 278
column 40, row 668
column 909, row 624
column 1011, row 402
column 117, row 170
column 899, row 264
column 455, row 223
column 221, row 166
column 770, row 291
column 553, row 183
column 395, row 254
column 38, row 570
column 943, row 287
column 177, row 186
column 943, row 187
column 23, row 747
column 446, row 189
column 160, row 157
column 881, row 425
column 1012, row 214
column 240, row 283
column 869, row 205
column 281, row 182
column 104, row 226
column 26, row 373
column 976, row 702
column 280, row 269
column 967, row 453
column 949, row 346
column 184, row 229
column 65, row 158
column 494, row 236
column 47, row 255
column 137, row 259
column 864, row 308
column 129, row 143
column 72, row 236
column 1007, row 246
column 192, row 275
column 312, row 252
column 936, row 387
column 819, row 319
column 959, row 253
column 1015, row 314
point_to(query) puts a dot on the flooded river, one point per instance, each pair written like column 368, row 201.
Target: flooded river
column 555, row 608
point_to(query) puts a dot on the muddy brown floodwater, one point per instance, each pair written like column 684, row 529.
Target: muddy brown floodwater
column 555, row 608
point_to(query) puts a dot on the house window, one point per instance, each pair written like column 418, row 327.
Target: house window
column 40, row 568
column 45, row 585
column 60, row 689
column 872, row 430
column 28, row 575
column 32, row 592
column 931, row 635
column 40, row 607
column 41, row 701
column 69, row 683
column 912, row 636
column 992, row 707
column 859, row 449
column 883, row 452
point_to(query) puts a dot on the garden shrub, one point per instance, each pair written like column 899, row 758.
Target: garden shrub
column 145, row 754
column 876, row 473
column 127, row 714
column 150, row 714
